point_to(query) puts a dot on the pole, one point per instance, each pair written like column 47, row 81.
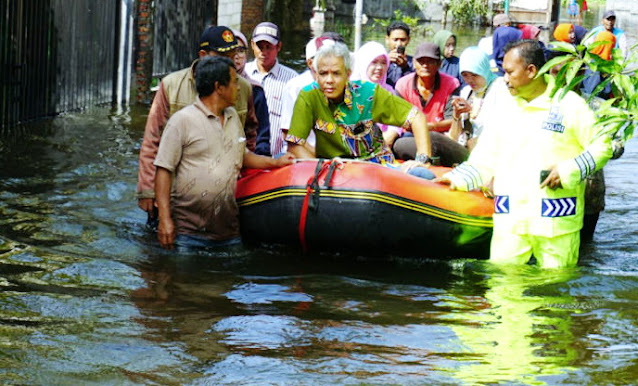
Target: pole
column 358, row 15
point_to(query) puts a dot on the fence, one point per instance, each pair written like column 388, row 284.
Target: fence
column 57, row 55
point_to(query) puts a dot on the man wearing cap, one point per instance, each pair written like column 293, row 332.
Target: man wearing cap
column 271, row 75
column 178, row 90
column 503, row 34
column 201, row 153
column 343, row 115
column 431, row 91
column 608, row 23
column 296, row 84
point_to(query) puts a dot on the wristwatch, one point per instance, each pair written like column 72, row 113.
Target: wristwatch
column 423, row 158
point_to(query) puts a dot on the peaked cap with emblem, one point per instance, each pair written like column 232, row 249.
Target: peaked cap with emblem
column 218, row 38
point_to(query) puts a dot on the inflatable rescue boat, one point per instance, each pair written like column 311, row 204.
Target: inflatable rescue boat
column 361, row 207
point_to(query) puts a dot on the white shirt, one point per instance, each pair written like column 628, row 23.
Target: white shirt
column 273, row 83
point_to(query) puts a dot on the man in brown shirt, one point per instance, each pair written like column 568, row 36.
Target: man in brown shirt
column 176, row 91
column 200, row 155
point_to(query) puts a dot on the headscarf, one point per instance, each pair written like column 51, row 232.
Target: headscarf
column 362, row 59
column 604, row 50
column 476, row 61
column 561, row 33
column 580, row 33
column 440, row 38
column 529, row 31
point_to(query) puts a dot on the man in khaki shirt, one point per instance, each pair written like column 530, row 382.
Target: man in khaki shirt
column 200, row 155
column 176, row 91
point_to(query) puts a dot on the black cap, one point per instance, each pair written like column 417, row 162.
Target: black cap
column 218, row 39
column 609, row 14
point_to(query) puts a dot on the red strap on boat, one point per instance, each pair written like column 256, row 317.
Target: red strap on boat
column 311, row 187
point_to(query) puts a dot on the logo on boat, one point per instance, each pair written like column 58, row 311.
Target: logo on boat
column 502, row 204
column 558, row 207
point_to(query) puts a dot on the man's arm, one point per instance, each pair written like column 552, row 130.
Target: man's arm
column 256, row 161
column 300, row 151
column 157, row 118
column 166, row 229
column 421, row 134
column 263, row 119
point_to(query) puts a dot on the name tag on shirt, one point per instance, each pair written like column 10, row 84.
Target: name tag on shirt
column 555, row 121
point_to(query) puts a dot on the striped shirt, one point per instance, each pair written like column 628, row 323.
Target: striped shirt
column 273, row 83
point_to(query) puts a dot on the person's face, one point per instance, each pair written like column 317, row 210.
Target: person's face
column 609, row 23
column 266, row 53
column 377, row 69
column 425, row 67
column 397, row 37
column 475, row 81
column 332, row 77
column 518, row 75
column 240, row 56
column 571, row 35
column 450, row 46
column 229, row 92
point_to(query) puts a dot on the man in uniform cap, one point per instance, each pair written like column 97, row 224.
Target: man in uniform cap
column 271, row 75
column 177, row 90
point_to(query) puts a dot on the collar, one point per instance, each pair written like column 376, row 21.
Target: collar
column 544, row 100
column 347, row 97
column 437, row 82
column 202, row 107
column 274, row 71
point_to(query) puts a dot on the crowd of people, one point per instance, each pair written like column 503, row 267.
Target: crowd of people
column 485, row 112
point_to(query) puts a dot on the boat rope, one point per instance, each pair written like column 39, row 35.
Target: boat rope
column 313, row 190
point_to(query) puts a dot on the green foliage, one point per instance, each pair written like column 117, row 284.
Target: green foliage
column 399, row 16
column 468, row 11
column 617, row 116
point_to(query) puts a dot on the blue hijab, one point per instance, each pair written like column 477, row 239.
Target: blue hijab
column 475, row 60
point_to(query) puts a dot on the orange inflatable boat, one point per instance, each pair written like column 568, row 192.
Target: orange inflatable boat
column 361, row 207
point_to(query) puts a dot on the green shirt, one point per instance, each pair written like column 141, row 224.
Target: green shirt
column 348, row 129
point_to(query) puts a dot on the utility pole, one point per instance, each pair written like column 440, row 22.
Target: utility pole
column 358, row 16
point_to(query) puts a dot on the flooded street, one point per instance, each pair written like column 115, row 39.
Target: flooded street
column 88, row 297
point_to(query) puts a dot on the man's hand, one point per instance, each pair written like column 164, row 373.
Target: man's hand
column 444, row 181
column 285, row 159
column 553, row 179
column 146, row 204
column 400, row 59
column 166, row 233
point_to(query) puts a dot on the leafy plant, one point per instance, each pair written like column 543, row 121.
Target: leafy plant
column 617, row 116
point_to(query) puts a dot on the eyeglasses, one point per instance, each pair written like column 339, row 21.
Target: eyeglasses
column 241, row 50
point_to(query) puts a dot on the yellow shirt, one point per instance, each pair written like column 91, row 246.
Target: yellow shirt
column 524, row 139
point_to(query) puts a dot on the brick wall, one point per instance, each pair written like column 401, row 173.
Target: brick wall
column 252, row 13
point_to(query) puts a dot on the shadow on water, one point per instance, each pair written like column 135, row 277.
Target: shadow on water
column 86, row 296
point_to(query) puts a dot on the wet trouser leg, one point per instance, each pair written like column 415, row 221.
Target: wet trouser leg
column 550, row 252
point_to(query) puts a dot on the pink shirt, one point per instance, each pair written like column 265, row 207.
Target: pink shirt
column 435, row 107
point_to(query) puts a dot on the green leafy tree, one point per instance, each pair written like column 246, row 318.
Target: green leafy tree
column 617, row 116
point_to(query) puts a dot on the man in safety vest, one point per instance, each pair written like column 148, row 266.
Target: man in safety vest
column 539, row 151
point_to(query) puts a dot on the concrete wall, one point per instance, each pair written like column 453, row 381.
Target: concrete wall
column 626, row 17
column 229, row 13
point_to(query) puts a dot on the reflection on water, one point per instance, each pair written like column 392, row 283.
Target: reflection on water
column 86, row 296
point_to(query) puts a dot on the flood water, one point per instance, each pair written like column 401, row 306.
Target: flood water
column 87, row 297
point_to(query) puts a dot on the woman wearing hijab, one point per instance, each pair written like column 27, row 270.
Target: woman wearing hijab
column 566, row 33
column 595, row 184
column 371, row 62
column 470, row 109
column 446, row 41
column 594, row 78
